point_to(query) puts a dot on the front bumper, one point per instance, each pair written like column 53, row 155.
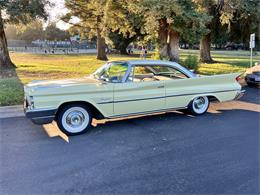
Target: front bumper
column 40, row 116
column 252, row 80
column 240, row 94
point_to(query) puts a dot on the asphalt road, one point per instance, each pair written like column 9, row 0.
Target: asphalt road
column 174, row 153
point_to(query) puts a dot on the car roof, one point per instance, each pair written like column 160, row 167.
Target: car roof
column 152, row 62
column 156, row 62
column 146, row 62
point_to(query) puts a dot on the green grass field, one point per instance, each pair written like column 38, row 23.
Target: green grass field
column 40, row 67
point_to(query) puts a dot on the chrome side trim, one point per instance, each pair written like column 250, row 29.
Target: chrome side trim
column 140, row 99
column 222, row 91
column 147, row 112
column 41, row 117
column 41, row 109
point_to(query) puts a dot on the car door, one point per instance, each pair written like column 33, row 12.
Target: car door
column 138, row 97
column 178, row 90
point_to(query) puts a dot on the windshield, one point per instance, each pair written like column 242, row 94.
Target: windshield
column 112, row 72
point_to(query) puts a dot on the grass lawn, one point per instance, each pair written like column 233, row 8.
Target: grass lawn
column 39, row 67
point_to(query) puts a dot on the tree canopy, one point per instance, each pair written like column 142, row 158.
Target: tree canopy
column 168, row 19
column 91, row 15
column 232, row 20
column 18, row 11
column 53, row 33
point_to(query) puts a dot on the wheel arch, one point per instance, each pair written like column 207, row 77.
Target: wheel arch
column 213, row 98
column 95, row 112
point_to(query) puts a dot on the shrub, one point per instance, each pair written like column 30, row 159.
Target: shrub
column 191, row 62
column 156, row 55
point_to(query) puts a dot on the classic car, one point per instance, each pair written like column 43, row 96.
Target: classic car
column 125, row 88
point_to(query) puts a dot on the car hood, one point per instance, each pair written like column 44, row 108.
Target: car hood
column 53, row 85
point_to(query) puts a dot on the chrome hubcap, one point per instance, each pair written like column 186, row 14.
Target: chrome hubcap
column 199, row 103
column 75, row 119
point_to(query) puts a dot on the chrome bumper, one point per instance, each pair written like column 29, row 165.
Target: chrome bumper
column 239, row 94
column 39, row 116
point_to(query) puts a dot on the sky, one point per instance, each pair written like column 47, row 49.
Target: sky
column 56, row 12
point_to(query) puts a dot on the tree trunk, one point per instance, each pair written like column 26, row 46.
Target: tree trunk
column 173, row 46
column 5, row 61
column 163, row 38
column 123, row 50
column 168, row 41
column 122, row 43
column 205, row 56
column 101, row 46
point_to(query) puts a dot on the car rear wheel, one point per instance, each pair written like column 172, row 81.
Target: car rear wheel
column 74, row 119
column 199, row 105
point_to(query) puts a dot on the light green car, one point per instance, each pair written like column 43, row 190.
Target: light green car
column 125, row 88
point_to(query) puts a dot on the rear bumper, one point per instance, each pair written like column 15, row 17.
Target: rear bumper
column 40, row 116
column 240, row 94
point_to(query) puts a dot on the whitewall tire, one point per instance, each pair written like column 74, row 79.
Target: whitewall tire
column 199, row 105
column 74, row 119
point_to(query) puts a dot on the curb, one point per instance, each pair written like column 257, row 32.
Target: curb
column 11, row 111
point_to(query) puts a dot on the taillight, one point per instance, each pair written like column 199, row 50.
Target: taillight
column 238, row 78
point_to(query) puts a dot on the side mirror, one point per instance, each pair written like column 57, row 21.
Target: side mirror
column 104, row 78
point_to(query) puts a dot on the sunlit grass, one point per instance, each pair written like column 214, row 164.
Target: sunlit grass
column 40, row 66
column 226, row 61
column 220, row 68
column 31, row 66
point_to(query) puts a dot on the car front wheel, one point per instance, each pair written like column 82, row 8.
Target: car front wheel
column 199, row 105
column 74, row 119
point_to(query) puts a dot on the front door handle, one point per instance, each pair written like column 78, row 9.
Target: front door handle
column 161, row 86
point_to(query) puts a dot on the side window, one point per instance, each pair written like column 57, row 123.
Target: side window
column 142, row 74
column 169, row 72
column 146, row 73
column 115, row 72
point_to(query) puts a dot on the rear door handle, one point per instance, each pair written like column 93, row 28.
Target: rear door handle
column 161, row 86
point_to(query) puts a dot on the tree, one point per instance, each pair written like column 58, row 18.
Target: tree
column 11, row 32
column 91, row 15
column 120, row 42
column 123, row 23
column 17, row 11
column 212, row 8
column 237, row 17
column 31, row 31
column 242, row 18
column 171, row 18
column 53, row 33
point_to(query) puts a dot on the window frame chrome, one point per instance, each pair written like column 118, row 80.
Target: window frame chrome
column 182, row 70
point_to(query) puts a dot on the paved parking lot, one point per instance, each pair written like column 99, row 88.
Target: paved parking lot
column 174, row 153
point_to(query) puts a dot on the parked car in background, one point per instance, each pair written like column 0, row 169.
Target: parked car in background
column 125, row 88
column 234, row 46
column 252, row 77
